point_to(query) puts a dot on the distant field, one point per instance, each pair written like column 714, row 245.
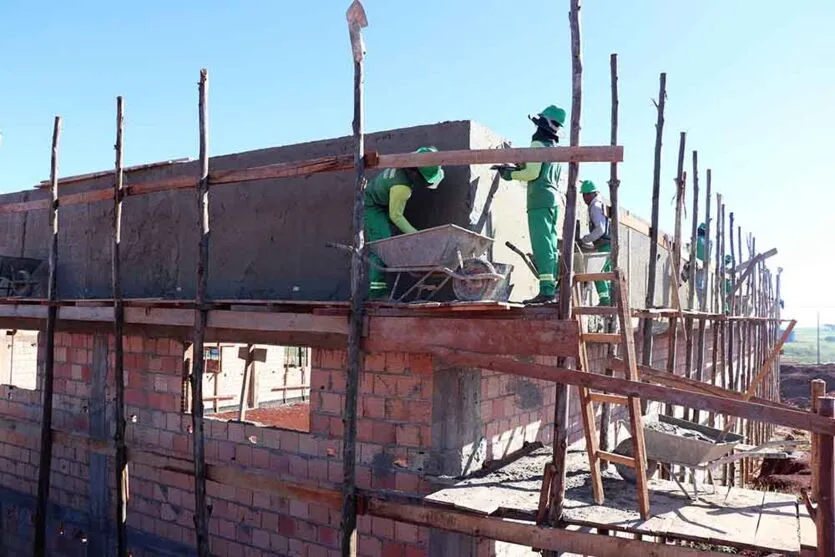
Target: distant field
column 803, row 346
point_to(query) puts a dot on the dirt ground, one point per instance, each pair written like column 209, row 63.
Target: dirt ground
column 290, row 416
column 795, row 381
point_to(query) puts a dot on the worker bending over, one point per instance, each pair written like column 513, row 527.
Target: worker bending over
column 598, row 237
column 542, row 179
column 385, row 203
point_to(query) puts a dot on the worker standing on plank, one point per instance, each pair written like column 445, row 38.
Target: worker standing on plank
column 598, row 237
column 542, row 179
column 385, row 202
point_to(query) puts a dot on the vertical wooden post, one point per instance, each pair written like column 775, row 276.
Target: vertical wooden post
column 567, row 267
column 614, row 233
column 646, row 327
column 356, row 21
column 121, row 460
column 45, row 464
column 710, row 277
column 825, row 516
column 201, row 512
column 675, row 264
column 694, row 235
column 818, row 390
column 246, row 383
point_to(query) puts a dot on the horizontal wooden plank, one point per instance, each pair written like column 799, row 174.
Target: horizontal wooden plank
column 610, row 398
column 283, row 170
column 724, row 405
column 616, row 458
column 524, row 534
column 485, row 336
column 603, row 338
column 596, row 310
column 502, row 156
column 591, row 277
column 661, row 377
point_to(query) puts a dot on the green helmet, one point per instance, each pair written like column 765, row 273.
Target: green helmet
column 702, row 227
column 554, row 114
column 432, row 174
column 587, row 186
column 728, row 260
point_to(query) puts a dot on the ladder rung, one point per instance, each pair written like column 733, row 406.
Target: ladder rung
column 613, row 399
column 591, row 277
column 616, row 458
column 597, row 310
column 605, row 338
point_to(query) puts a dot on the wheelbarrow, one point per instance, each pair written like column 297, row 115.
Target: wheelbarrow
column 672, row 441
column 435, row 257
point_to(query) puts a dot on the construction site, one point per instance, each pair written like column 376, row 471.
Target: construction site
column 193, row 366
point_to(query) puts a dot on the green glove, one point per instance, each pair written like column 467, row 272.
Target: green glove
column 506, row 173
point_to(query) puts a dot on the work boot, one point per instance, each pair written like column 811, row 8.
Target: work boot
column 541, row 299
column 604, row 302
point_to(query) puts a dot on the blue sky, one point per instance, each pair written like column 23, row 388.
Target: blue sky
column 750, row 81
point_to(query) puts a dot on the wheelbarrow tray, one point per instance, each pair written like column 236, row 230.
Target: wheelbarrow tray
column 433, row 247
column 675, row 449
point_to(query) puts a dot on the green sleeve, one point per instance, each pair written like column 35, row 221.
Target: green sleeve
column 530, row 170
column 398, row 196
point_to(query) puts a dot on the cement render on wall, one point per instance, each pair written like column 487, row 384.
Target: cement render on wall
column 268, row 238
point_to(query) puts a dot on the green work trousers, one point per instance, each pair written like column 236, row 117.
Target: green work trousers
column 542, row 226
column 602, row 286
column 377, row 227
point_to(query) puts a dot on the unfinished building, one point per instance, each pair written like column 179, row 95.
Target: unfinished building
column 454, row 403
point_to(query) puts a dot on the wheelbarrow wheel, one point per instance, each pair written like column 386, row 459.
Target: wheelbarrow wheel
column 474, row 290
column 626, row 472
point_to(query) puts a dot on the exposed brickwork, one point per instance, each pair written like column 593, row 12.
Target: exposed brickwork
column 396, row 424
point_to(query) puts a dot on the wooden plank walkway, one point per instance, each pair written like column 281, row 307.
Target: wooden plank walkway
column 741, row 518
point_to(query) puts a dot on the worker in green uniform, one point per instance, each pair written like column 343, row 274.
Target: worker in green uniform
column 598, row 237
column 729, row 283
column 542, row 179
column 385, row 202
column 701, row 262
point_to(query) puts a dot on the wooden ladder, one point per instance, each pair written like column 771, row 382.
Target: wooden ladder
column 587, row 397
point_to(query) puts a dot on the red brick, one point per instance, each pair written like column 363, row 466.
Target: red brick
column 320, row 423
column 375, row 362
column 290, row 441
column 412, row 551
column 421, row 364
column 135, row 397
column 383, row 433
column 261, row 458
column 392, row 549
column 382, row 528
column 379, row 481
column 317, row 551
column 336, row 428
column 396, row 362
column 419, row 411
column 408, row 435
column 410, row 387
column 396, row 409
column 409, row 483
column 331, row 403
column 243, row 454
column 298, row 466
column 336, row 381
column 406, row 532
column 279, row 463
column 385, row 386
column 373, row 407
column 308, row 445
column 332, row 359
column 370, row 547
column 317, row 469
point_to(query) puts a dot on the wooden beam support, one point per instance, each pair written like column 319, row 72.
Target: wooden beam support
column 818, row 391
column 201, row 514
column 825, row 514
column 744, row 265
column 357, row 20
column 45, row 463
column 540, row 537
column 572, row 154
column 751, row 265
column 780, row 416
column 121, row 457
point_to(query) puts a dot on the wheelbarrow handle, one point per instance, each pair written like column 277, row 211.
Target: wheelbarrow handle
column 352, row 250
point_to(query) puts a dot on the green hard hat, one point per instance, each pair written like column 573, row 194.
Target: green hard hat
column 432, row 174
column 555, row 114
column 728, row 259
column 587, row 186
column 702, row 227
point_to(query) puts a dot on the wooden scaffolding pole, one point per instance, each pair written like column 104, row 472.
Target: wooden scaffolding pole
column 675, row 264
column 818, row 390
column 646, row 328
column 356, row 21
column 201, row 512
column 45, row 464
column 825, row 511
column 614, row 232
column 700, row 343
column 566, row 271
column 121, row 460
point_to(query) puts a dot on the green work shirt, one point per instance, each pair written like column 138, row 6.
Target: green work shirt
column 542, row 185
column 391, row 189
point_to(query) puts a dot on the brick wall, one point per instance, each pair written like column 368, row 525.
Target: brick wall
column 417, row 420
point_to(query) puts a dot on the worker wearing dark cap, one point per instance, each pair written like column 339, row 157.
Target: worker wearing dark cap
column 542, row 179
